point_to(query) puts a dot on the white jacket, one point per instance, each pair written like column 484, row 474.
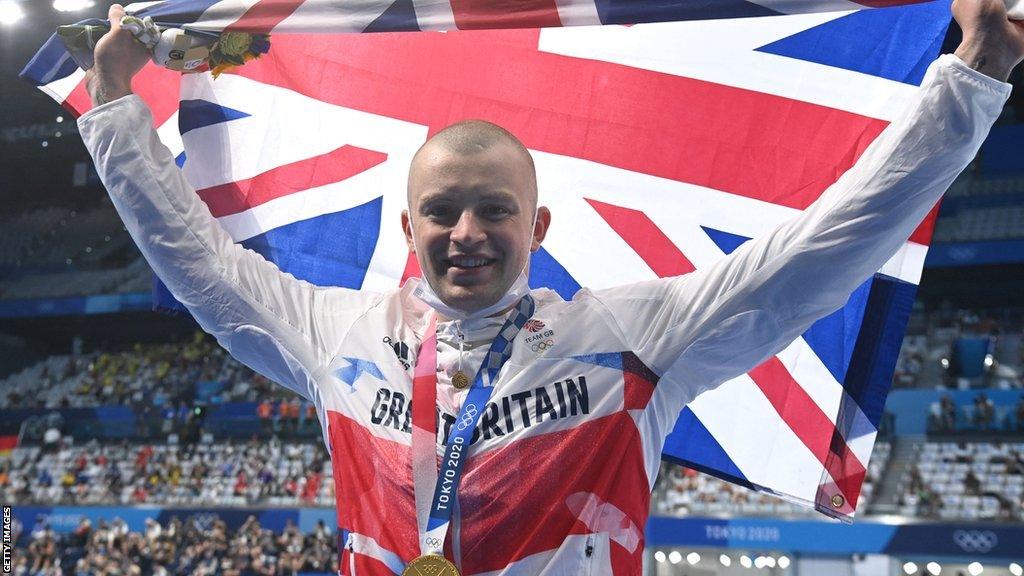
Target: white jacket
column 569, row 446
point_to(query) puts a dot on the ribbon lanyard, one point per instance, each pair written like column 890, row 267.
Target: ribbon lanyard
column 424, row 423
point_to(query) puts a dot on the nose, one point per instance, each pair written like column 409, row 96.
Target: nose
column 468, row 230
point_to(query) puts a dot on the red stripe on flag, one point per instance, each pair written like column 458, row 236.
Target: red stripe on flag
column 659, row 124
column 810, row 424
column 264, row 16
column 480, row 14
column 156, row 85
column 412, row 269
column 335, row 166
column 645, row 238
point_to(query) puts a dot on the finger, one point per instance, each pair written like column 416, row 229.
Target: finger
column 115, row 14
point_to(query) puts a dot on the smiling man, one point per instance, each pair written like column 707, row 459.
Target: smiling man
column 473, row 194
column 548, row 416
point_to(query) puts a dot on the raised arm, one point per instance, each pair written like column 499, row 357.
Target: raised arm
column 719, row 322
column 282, row 327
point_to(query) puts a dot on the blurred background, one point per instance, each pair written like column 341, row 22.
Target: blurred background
column 130, row 443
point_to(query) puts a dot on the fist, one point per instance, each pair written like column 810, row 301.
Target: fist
column 118, row 56
column 992, row 43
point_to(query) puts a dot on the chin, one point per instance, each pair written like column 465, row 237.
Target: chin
column 465, row 298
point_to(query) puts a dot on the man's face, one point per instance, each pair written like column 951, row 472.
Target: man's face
column 472, row 221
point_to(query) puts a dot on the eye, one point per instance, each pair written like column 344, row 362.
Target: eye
column 437, row 211
column 496, row 211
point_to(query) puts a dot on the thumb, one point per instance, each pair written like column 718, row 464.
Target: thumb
column 115, row 14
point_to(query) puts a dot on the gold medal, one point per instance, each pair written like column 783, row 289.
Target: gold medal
column 430, row 565
column 460, row 380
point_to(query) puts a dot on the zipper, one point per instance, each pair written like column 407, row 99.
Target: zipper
column 462, row 343
column 588, row 550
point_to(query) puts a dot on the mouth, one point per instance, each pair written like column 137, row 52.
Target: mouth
column 468, row 264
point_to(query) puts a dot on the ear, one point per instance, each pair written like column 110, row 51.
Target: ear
column 407, row 230
column 540, row 227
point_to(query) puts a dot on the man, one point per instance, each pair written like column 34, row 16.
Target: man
column 550, row 451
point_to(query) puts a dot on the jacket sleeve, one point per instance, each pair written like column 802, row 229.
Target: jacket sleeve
column 719, row 322
column 282, row 327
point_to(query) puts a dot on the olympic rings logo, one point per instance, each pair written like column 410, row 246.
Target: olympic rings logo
column 468, row 417
column 542, row 345
column 975, row 540
column 434, row 543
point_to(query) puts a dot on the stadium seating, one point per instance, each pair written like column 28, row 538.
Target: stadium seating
column 685, row 492
column 154, row 373
column 268, row 473
column 973, row 481
column 192, row 546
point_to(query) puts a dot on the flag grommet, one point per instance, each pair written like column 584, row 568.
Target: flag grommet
column 838, row 500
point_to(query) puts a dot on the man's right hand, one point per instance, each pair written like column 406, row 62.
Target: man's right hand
column 118, row 56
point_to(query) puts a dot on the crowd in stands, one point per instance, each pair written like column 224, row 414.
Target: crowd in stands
column 980, row 415
column 974, row 481
column 259, row 472
column 201, row 546
column 685, row 492
column 150, row 377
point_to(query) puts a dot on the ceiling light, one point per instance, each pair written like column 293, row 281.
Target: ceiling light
column 725, row 560
column 910, row 568
column 10, row 12
column 975, row 568
column 934, row 568
column 693, row 558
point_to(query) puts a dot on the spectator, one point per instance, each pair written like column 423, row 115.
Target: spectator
column 265, row 411
column 984, row 412
column 948, row 413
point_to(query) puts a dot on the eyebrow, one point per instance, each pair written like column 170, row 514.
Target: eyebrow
column 500, row 194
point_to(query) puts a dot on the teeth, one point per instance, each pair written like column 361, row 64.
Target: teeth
column 469, row 262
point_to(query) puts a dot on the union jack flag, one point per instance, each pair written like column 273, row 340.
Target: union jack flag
column 660, row 148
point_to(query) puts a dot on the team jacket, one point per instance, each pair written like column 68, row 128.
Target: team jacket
column 558, row 480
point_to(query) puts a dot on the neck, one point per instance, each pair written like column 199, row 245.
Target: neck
column 442, row 318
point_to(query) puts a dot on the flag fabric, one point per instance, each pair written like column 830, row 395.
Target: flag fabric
column 660, row 148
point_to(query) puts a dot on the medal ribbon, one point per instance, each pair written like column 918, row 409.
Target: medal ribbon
column 424, row 423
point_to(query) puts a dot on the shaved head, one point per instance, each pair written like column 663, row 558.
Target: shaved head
column 470, row 137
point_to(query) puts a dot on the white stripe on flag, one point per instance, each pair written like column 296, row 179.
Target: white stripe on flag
column 170, row 136
column 434, row 14
column 327, row 199
column 813, row 376
column 908, row 263
column 221, row 15
column 60, row 89
column 725, row 52
column 136, row 6
column 748, row 428
column 333, row 16
column 578, row 13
